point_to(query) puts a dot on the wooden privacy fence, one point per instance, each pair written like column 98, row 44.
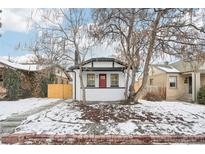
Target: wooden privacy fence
column 63, row 91
column 157, row 90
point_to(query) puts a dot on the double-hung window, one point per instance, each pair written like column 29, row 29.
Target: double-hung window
column 1, row 80
column 114, row 80
column 90, row 80
column 173, row 82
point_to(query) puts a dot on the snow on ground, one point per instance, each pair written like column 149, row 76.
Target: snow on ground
column 7, row 108
column 147, row 118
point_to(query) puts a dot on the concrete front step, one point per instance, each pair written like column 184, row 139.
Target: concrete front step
column 7, row 130
column 8, row 127
column 185, row 100
column 10, row 124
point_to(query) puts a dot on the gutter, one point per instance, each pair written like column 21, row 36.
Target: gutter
column 75, row 84
column 195, row 94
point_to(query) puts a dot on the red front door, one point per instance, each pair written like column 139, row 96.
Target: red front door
column 102, row 80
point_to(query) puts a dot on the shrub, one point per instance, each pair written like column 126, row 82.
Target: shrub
column 201, row 95
column 12, row 83
column 45, row 80
column 152, row 96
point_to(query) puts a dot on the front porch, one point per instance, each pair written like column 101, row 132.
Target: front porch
column 193, row 81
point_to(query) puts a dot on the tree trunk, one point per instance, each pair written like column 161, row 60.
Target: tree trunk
column 82, row 85
column 131, row 97
column 149, row 55
column 127, row 82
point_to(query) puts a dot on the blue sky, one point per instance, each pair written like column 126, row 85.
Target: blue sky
column 14, row 30
column 10, row 40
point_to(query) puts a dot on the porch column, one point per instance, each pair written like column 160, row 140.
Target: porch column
column 193, row 86
column 198, row 83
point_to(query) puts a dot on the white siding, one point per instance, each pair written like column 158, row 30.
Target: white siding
column 102, row 64
column 108, row 76
column 104, row 94
column 117, row 65
column 100, row 94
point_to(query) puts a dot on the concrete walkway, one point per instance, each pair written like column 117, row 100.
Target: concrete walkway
column 8, row 125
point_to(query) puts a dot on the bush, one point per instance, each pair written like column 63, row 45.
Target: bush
column 201, row 96
column 151, row 96
column 12, row 83
column 44, row 84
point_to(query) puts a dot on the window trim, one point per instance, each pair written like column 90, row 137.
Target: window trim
column 111, row 80
column 87, row 80
column 175, row 84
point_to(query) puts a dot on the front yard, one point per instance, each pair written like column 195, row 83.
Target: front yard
column 146, row 118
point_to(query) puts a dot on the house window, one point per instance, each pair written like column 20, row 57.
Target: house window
column 90, row 80
column 172, row 81
column 1, row 80
column 150, row 82
column 114, row 80
column 186, row 80
column 58, row 71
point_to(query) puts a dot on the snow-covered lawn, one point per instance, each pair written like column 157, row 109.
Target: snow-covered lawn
column 147, row 118
column 7, row 108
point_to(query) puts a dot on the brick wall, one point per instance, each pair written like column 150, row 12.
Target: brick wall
column 97, row 139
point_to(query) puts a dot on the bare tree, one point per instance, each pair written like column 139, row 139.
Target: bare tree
column 174, row 32
column 0, row 21
column 142, row 33
column 65, row 38
column 120, row 26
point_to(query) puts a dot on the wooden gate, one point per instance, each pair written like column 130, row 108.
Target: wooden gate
column 63, row 91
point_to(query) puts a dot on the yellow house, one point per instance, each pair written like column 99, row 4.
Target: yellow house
column 181, row 80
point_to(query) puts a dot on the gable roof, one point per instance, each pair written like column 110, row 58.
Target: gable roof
column 99, row 59
column 104, row 59
column 31, row 67
column 18, row 66
column 167, row 68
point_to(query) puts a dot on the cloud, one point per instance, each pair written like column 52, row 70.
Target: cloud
column 16, row 20
column 23, row 20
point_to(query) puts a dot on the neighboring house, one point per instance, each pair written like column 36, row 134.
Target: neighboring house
column 30, row 74
column 181, row 80
column 61, row 76
column 103, row 78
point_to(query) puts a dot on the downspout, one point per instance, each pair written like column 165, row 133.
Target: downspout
column 194, row 87
column 74, row 84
